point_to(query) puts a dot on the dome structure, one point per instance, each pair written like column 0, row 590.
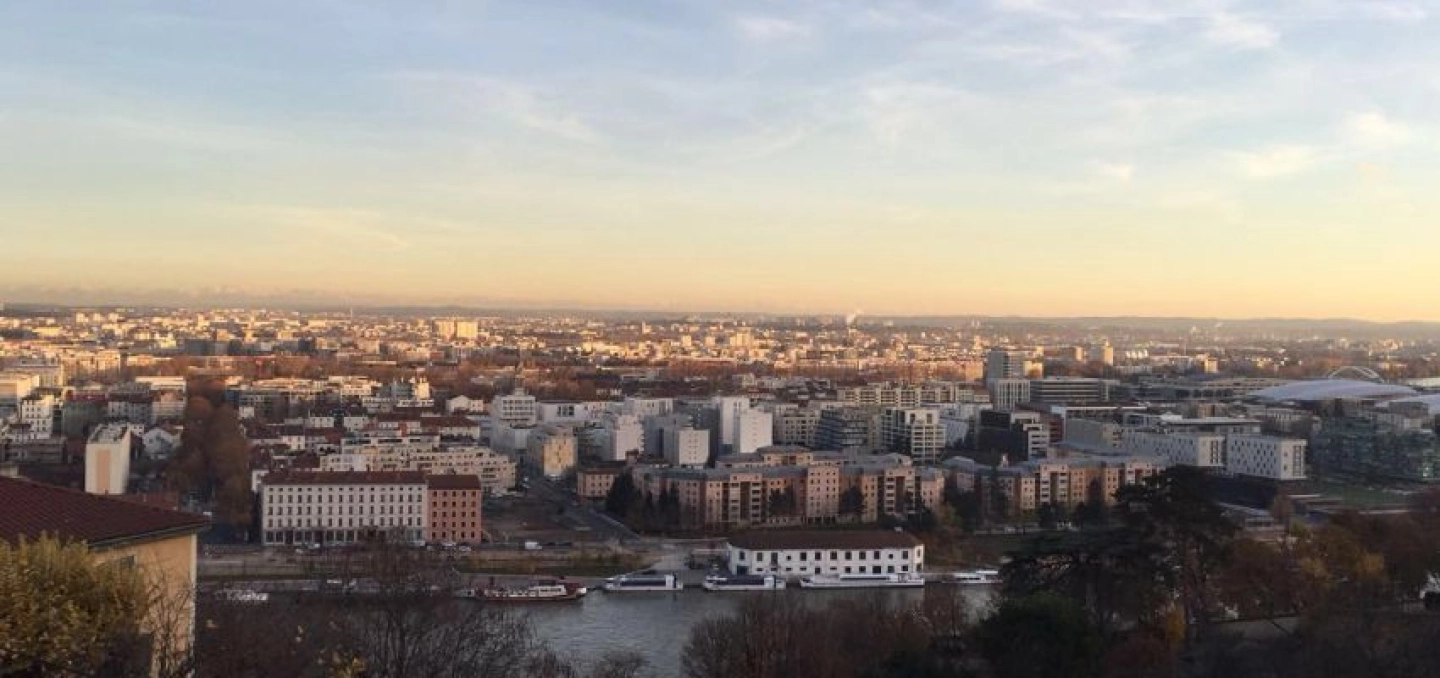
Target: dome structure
column 1330, row 389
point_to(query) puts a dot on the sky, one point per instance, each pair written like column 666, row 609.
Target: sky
column 1017, row 157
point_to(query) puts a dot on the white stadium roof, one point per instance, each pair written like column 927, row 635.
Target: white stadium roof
column 1328, row 389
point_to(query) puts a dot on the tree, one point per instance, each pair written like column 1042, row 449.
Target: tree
column 621, row 495
column 1040, row 636
column 1173, row 510
column 1047, row 516
column 852, row 503
column 63, row 614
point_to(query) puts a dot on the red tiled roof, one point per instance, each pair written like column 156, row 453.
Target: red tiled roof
column 453, row 482
column 32, row 509
column 344, row 478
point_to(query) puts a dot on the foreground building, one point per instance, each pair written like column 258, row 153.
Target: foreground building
column 797, row 554
column 159, row 542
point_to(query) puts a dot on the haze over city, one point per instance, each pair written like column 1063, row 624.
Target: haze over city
column 1199, row 158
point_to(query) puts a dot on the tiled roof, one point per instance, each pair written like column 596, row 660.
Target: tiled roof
column 453, row 482
column 345, row 478
column 822, row 540
column 32, row 509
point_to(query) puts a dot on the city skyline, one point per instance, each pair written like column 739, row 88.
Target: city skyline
column 1018, row 157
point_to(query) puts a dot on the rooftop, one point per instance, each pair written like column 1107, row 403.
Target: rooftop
column 345, row 478
column 33, row 509
column 834, row 539
column 453, row 482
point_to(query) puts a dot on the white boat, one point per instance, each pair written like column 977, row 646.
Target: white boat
column 644, row 582
column 974, row 578
column 243, row 596
column 751, row 582
column 861, row 581
column 539, row 592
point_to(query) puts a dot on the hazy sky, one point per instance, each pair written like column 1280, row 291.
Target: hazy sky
column 1178, row 157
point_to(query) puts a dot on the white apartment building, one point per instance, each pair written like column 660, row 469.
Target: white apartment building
column 648, row 407
column 569, row 411
column 658, row 427
column 754, row 429
column 730, row 408
column 552, row 451
column 516, row 409
column 1265, row 457
column 619, row 436
column 107, row 459
column 799, row 554
column 38, row 413
column 1005, row 394
column 496, row 471
column 687, row 447
column 298, row 507
column 1205, row 450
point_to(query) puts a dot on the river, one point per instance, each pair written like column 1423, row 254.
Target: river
column 657, row 624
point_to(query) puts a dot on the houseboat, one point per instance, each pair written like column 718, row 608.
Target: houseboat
column 754, row 582
column 862, row 581
column 644, row 582
column 973, row 578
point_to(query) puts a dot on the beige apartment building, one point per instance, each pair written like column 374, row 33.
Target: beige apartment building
column 786, row 486
column 1064, row 482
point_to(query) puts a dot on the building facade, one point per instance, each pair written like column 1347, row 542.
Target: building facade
column 798, row 554
column 302, row 507
column 455, row 503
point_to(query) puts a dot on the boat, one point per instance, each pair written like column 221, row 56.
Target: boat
column 644, row 582
column 861, row 581
column 753, row 582
column 243, row 596
column 973, row 578
column 539, row 592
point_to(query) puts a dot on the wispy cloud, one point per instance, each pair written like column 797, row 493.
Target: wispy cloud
column 1374, row 130
column 1276, row 161
column 517, row 103
column 1240, row 32
column 347, row 227
column 1404, row 12
column 769, row 29
column 1116, row 171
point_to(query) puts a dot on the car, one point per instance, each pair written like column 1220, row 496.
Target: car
column 462, row 548
column 447, row 545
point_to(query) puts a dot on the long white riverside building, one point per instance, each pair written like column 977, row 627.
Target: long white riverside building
column 798, row 554
column 298, row 507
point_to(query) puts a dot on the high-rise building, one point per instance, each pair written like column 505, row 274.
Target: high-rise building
column 1005, row 394
column 754, row 429
column 847, row 429
column 516, row 409
column 1006, row 364
column 913, row 432
column 1069, row 390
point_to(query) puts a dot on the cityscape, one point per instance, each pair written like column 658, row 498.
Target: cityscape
column 859, row 339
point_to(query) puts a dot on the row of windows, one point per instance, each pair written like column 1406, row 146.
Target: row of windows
column 820, row 555
column 330, row 510
column 282, row 498
column 343, row 522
